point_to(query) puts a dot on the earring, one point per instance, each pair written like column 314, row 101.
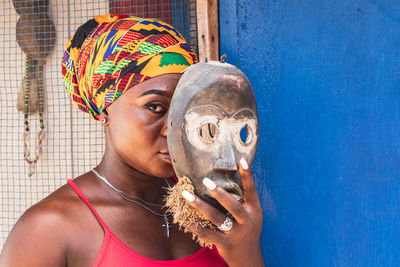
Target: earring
column 103, row 120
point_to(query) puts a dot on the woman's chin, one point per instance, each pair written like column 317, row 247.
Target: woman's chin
column 164, row 171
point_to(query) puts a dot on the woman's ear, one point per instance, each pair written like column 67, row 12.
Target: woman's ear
column 104, row 118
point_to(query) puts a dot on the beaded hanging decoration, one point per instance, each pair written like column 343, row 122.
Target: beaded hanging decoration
column 36, row 37
column 31, row 68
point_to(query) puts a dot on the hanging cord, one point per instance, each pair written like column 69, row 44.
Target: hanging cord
column 32, row 69
column 222, row 58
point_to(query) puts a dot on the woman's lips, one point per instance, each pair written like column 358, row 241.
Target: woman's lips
column 165, row 156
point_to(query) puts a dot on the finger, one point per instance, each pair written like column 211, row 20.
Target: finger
column 250, row 194
column 211, row 213
column 232, row 205
column 217, row 238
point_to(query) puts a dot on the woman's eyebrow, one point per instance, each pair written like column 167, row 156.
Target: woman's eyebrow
column 154, row 92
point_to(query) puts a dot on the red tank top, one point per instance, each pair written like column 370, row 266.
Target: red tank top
column 114, row 252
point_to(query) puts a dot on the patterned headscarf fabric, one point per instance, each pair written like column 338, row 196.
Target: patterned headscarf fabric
column 109, row 54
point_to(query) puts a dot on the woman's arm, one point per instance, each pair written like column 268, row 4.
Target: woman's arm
column 240, row 246
column 37, row 239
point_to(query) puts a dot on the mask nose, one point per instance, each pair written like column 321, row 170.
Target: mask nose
column 226, row 160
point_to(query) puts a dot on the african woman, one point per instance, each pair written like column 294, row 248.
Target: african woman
column 123, row 71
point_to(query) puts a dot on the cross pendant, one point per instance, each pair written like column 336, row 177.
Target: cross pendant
column 166, row 225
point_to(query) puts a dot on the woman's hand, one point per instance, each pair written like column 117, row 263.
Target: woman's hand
column 239, row 246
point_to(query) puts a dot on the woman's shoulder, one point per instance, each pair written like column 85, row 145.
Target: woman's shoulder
column 59, row 205
column 54, row 212
column 49, row 225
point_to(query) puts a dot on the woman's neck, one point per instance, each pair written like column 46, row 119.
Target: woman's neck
column 129, row 180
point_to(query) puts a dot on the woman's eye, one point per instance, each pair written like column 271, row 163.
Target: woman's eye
column 155, row 107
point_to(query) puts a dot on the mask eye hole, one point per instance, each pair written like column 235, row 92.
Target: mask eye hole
column 246, row 136
column 208, row 132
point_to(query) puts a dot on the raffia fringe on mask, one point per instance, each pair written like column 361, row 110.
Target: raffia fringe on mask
column 183, row 213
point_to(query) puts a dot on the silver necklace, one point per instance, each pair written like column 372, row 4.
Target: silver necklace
column 135, row 200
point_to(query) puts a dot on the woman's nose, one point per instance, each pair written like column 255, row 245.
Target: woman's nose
column 164, row 129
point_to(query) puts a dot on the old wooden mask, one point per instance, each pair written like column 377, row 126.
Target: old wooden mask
column 212, row 124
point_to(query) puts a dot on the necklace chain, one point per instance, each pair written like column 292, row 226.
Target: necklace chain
column 133, row 199
column 104, row 179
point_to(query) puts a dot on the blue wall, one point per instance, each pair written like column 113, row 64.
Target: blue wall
column 327, row 80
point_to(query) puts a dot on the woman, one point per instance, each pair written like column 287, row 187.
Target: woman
column 123, row 71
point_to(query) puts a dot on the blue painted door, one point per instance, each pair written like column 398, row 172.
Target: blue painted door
column 326, row 75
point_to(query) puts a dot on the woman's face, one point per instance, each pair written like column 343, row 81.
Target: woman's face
column 137, row 125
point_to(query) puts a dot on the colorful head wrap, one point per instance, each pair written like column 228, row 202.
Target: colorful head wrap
column 109, row 54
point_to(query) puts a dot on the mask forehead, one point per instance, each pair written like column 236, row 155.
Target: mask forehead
column 229, row 92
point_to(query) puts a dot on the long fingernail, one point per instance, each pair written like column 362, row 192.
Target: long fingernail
column 244, row 164
column 209, row 184
column 188, row 196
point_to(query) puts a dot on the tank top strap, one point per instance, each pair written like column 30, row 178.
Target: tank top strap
column 82, row 196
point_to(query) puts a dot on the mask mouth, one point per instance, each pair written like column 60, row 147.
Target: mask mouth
column 235, row 191
column 229, row 184
column 227, row 181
